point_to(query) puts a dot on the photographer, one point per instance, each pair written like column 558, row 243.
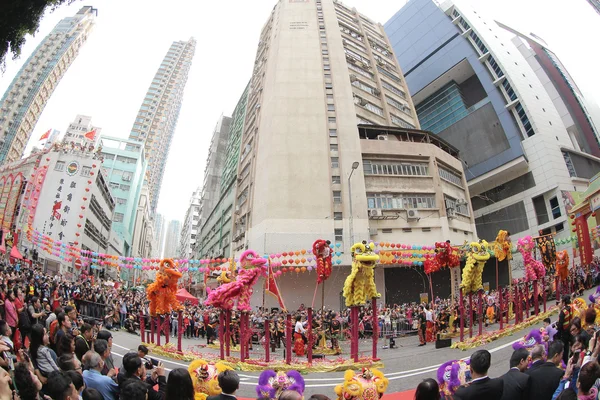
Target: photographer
column 135, row 369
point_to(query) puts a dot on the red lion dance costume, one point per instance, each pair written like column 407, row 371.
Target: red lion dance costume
column 562, row 264
column 162, row 292
column 445, row 255
column 252, row 267
column 322, row 253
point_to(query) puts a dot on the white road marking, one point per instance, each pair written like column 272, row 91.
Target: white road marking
column 391, row 375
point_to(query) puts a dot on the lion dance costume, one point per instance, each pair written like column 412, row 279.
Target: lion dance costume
column 322, row 253
column 204, row 377
column 360, row 284
column 162, row 292
column 446, row 255
column 368, row 384
column 271, row 384
column 562, row 264
column 452, row 375
column 534, row 269
column 252, row 266
column 472, row 274
column 503, row 246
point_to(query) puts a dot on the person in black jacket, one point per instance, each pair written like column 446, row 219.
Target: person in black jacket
column 516, row 383
column 83, row 342
column 229, row 382
column 563, row 327
column 481, row 386
column 545, row 376
column 135, row 369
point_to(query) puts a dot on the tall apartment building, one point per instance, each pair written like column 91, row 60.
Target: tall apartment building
column 157, row 117
column 160, row 226
column 595, row 4
column 172, row 236
column 216, row 227
column 27, row 95
column 124, row 163
column 215, row 162
column 474, row 88
column 331, row 148
column 191, row 227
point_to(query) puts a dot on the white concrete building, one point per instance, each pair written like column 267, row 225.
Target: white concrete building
column 27, row 95
column 191, row 226
column 172, row 237
column 81, row 132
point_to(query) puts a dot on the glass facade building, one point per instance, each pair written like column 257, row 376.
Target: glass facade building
column 442, row 109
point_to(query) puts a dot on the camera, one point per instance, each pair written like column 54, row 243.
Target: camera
column 149, row 362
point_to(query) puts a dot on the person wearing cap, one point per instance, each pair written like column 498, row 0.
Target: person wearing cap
column 564, row 324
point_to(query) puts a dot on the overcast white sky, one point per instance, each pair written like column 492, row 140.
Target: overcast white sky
column 109, row 78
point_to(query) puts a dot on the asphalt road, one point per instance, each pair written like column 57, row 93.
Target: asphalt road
column 405, row 366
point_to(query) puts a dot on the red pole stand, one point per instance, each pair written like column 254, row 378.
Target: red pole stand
column 461, row 310
column 142, row 326
column 268, row 341
column 536, row 302
column 517, row 304
column 310, row 336
column 158, row 329
column 248, row 334
column 167, row 328
column 501, row 309
column 151, row 330
column 288, row 339
column 470, row 315
column 480, row 308
column 375, row 328
column 544, row 294
column 180, row 324
column 354, row 312
column 221, row 339
column 227, row 332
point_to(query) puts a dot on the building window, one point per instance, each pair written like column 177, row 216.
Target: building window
column 335, row 162
column 127, row 175
column 450, row 176
column 85, row 171
column 524, row 120
column 124, row 188
column 372, row 167
column 365, row 87
column 569, row 163
column 555, row 208
column 118, row 217
column 360, row 71
column 336, row 179
column 113, row 185
column 60, row 166
column 393, row 89
column 242, row 197
column 400, row 122
column 120, row 201
column 333, row 147
column 332, row 132
column 331, row 120
column 458, row 207
column 337, row 197
column 330, row 107
column 400, row 201
column 337, row 216
column 339, row 235
column 541, row 213
column 387, row 230
column 328, row 86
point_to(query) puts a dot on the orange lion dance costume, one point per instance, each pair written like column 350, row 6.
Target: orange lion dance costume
column 322, row 253
column 562, row 264
column 162, row 292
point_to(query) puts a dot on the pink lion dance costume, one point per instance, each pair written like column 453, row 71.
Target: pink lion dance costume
column 322, row 253
column 452, row 375
column 271, row 384
column 252, row 267
column 534, row 269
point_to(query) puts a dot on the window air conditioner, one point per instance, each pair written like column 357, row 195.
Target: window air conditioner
column 413, row 214
column 375, row 213
column 450, row 213
column 382, row 137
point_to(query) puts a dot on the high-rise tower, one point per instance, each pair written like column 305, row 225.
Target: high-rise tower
column 28, row 93
column 157, row 118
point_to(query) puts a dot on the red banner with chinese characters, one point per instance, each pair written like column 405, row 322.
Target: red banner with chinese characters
column 583, row 237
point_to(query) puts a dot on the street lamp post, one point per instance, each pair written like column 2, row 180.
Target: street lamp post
column 355, row 165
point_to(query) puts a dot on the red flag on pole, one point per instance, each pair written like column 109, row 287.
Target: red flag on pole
column 272, row 289
column 91, row 134
column 46, row 135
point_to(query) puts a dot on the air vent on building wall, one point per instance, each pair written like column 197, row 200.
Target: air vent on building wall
column 413, row 215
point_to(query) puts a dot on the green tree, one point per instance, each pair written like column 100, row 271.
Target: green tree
column 19, row 18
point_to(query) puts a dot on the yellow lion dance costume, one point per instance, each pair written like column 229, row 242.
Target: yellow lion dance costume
column 360, row 284
column 369, row 384
column 162, row 292
column 472, row 274
column 204, row 377
column 503, row 246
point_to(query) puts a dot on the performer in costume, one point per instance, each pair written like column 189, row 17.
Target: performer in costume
column 422, row 326
column 335, row 329
column 213, row 322
column 299, row 337
column 271, row 384
column 368, row 384
column 430, row 330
